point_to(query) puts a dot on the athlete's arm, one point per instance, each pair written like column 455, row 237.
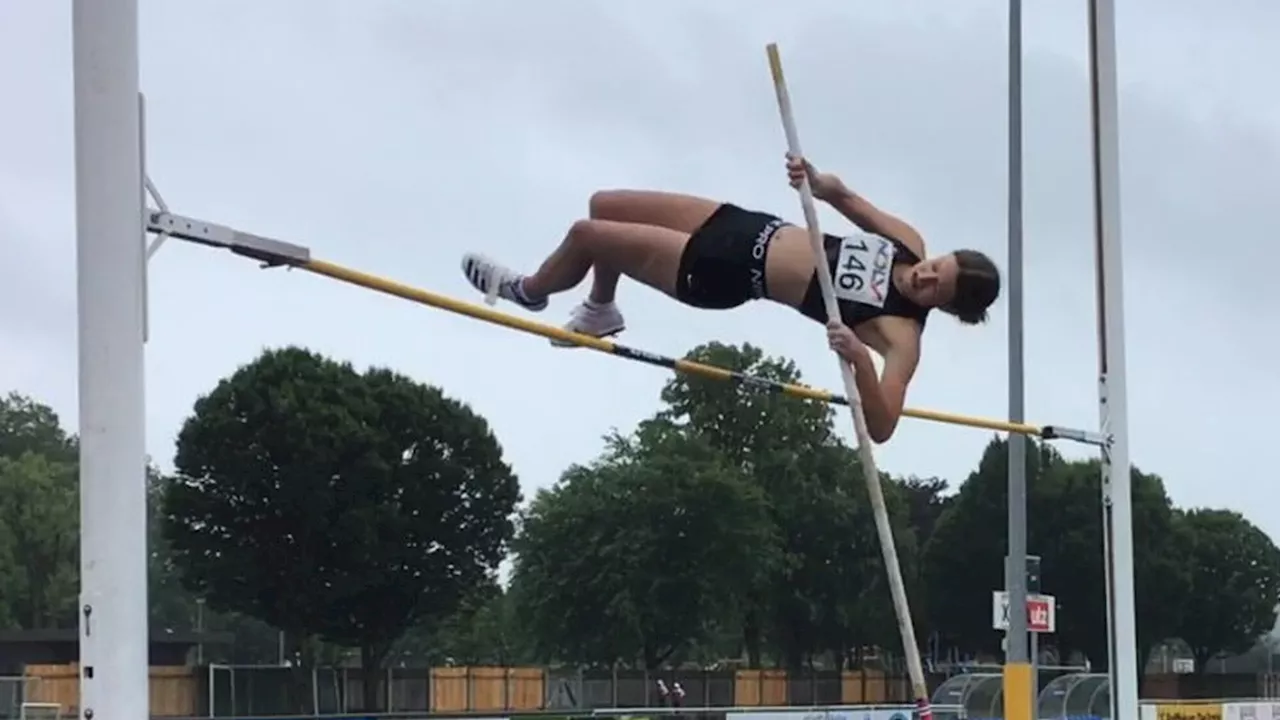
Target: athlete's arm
column 884, row 398
column 869, row 218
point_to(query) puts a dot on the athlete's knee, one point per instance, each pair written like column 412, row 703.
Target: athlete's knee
column 596, row 238
column 586, row 232
column 609, row 204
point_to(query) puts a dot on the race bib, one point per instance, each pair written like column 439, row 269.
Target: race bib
column 863, row 269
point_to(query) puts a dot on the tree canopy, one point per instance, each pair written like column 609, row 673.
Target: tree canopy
column 365, row 516
column 1232, row 580
column 665, row 534
column 335, row 503
column 39, row 517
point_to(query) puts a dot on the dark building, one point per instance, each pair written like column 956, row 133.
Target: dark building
column 19, row 648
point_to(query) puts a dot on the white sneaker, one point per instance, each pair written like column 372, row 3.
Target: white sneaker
column 594, row 320
column 498, row 281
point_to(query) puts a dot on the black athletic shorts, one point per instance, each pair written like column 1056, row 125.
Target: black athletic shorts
column 723, row 263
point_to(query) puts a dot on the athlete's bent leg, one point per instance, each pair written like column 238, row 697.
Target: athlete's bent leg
column 674, row 211
column 682, row 213
column 639, row 233
column 647, row 253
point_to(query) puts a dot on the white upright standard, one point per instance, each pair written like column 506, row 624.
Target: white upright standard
column 109, row 268
column 1117, row 491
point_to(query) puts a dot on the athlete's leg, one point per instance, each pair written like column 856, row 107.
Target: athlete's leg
column 681, row 213
column 637, row 233
column 674, row 211
column 647, row 253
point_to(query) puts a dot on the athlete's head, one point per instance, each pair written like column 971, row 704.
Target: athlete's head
column 964, row 283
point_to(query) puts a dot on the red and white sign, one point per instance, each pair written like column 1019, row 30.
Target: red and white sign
column 1042, row 612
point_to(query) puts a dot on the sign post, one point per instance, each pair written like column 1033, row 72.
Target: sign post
column 1042, row 612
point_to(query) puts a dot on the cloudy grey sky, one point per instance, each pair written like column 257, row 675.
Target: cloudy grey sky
column 394, row 136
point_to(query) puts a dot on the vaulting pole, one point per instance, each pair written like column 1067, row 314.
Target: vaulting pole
column 888, row 548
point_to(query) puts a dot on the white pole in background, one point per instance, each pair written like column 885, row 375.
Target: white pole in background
column 897, row 589
column 1020, row 681
column 109, row 268
column 1117, row 492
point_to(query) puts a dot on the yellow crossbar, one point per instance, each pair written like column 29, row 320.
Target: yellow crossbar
column 480, row 312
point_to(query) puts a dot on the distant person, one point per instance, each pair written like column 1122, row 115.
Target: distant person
column 717, row 256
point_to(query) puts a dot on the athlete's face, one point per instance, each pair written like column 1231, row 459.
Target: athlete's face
column 932, row 282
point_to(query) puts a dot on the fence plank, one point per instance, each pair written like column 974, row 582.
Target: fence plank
column 173, row 690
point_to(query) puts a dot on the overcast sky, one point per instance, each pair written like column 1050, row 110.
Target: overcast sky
column 394, row 136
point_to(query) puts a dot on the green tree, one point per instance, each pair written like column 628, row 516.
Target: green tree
column 635, row 557
column 39, row 537
column 965, row 557
column 172, row 608
column 926, row 500
column 38, row 461
column 253, row 642
column 175, row 609
column 1067, row 514
column 745, row 422
column 831, row 593
column 483, row 631
column 41, row 521
column 29, row 426
column 1234, row 570
column 761, row 433
column 338, row 504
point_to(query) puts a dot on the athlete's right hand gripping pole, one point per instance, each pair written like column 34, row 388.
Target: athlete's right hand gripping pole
column 872, row 476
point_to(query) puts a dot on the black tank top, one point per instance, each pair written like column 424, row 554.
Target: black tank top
column 861, row 268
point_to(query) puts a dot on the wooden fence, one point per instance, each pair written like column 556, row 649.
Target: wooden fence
column 190, row 691
column 259, row 691
column 479, row 689
column 174, row 690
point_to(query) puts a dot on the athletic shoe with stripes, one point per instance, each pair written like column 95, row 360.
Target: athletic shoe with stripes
column 596, row 320
column 495, row 280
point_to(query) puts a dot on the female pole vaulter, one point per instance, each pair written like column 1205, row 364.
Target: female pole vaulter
column 717, row 256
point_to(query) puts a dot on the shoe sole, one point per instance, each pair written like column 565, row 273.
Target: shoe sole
column 602, row 336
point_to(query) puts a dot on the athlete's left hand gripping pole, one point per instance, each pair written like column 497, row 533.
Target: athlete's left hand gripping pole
column 867, row 459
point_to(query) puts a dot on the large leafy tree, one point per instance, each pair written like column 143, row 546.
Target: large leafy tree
column 762, row 433
column 39, row 516
column 831, row 593
column 965, row 558
column 39, row 526
column 172, row 607
column 1067, row 513
column 329, row 502
column 636, row 557
column 483, row 631
column 747, row 424
column 39, row 540
column 1234, row 571
column 29, row 426
column 924, row 501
